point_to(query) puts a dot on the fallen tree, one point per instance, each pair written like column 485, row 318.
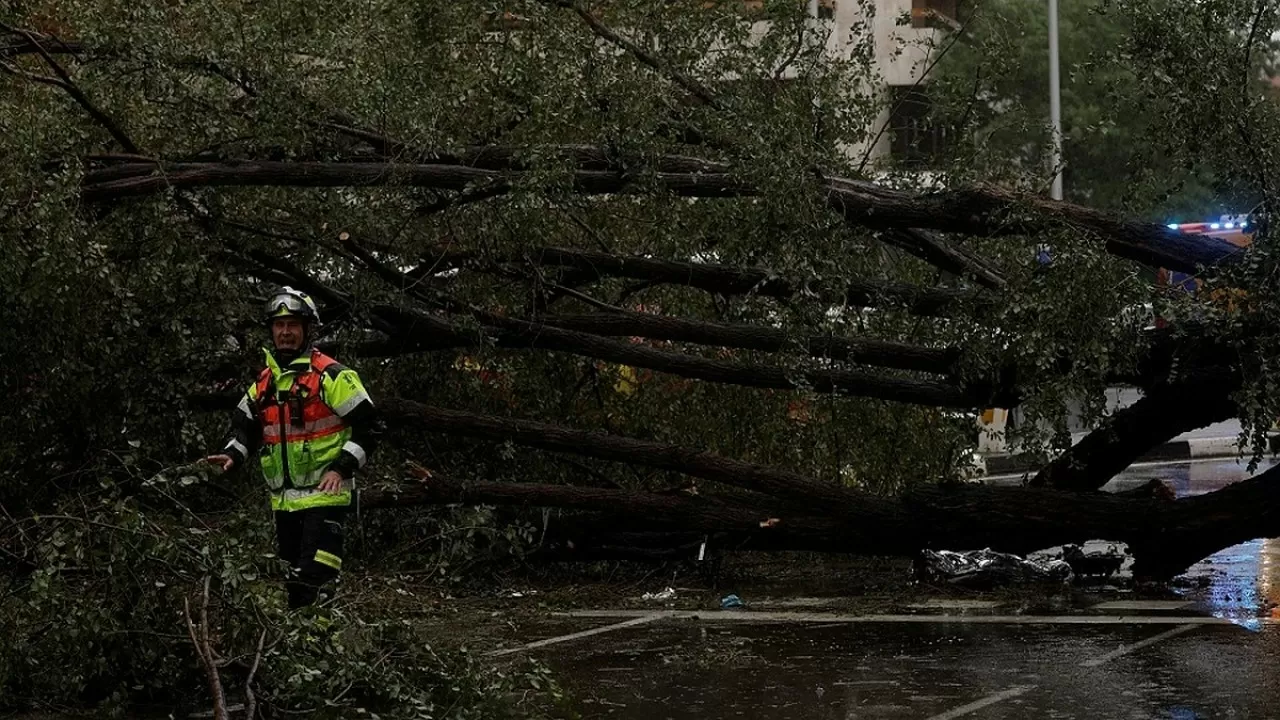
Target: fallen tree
column 404, row 308
column 797, row 513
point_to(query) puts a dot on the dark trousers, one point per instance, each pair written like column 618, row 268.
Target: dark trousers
column 311, row 542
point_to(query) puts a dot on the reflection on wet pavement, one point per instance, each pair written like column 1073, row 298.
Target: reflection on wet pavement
column 1241, row 583
column 894, row 671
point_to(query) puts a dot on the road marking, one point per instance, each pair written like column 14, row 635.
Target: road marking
column 1101, row 660
column 1134, row 466
column 949, row 604
column 1126, row 649
column 963, row 710
column 578, row 635
column 822, row 617
column 1155, row 605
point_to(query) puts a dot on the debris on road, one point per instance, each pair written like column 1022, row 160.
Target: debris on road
column 667, row 594
column 986, row 568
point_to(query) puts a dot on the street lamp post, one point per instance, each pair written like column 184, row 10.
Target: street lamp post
column 1055, row 105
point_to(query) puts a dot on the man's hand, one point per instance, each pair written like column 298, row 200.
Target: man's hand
column 226, row 461
column 331, row 482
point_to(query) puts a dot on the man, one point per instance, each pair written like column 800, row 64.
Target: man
column 312, row 424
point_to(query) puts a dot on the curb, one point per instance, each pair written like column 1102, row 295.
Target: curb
column 1191, row 449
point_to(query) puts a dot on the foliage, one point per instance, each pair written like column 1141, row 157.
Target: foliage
column 99, row 620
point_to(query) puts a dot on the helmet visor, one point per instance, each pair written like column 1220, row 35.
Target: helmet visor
column 286, row 305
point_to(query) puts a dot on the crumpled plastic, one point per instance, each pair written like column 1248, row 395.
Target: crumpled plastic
column 667, row 594
column 986, row 568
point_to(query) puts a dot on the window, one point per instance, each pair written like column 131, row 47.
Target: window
column 918, row 137
column 932, row 13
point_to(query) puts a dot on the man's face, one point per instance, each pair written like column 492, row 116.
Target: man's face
column 287, row 333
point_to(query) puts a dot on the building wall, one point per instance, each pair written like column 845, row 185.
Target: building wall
column 902, row 52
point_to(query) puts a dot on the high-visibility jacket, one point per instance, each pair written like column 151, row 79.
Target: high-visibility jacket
column 303, row 420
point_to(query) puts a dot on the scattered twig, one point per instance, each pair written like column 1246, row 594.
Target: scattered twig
column 204, row 649
column 250, row 701
column 598, row 304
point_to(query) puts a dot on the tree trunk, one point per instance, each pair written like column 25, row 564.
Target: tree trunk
column 1165, row 412
column 1166, row 536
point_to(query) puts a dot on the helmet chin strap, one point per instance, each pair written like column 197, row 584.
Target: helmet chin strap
column 285, row 356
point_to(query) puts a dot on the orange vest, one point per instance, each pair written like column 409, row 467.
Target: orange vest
column 296, row 417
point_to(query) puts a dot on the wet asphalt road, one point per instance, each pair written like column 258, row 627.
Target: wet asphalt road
column 947, row 668
column 798, row 672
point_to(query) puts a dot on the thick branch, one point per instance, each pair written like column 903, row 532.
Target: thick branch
column 1167, row 536
column 974, row 211
column 988, row 211
column 690, row 461
column 732, row 280
column 689, row 512
column 1165, row 412
column 150, row 180
column 512, row 332
column 939, row 253
column 881, row 353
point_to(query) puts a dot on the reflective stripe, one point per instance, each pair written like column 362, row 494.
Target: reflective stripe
column 238, row 447
column 315, row 428
column 304, row 484
column 244, row 407
column 357, row 451
column 327, row 558
column 290, row 500
column 350, row 403
column 298, row 436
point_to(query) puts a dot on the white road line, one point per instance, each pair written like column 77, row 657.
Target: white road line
column 1022, row 689
column 1124, row 650
column 1135, row 466
column 1156, row 605
column 824, row 617
column 578, row 635
column 963, row 710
